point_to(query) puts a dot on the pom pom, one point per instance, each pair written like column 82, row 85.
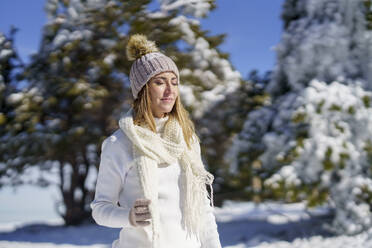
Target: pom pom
column 138, row 45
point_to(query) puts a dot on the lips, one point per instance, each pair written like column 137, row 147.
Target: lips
column 167, row 99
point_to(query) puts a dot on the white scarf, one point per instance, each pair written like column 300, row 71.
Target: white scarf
column 150, row 149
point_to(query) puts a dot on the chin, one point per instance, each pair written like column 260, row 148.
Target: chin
column 167, row 109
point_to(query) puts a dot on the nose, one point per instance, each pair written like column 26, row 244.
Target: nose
column 169, row 88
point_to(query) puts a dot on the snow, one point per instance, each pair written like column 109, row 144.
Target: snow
column 319, row 44
column 333, row 155
column 109, row 59
column 6, row 50
column 181, row 22
column 216, row 75
column 19, row 207
column 5, row 53
column 197, row 8
column 15, row 98
column 240, row 225
column 45, row 245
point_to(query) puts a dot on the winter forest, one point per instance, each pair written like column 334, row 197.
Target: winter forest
column 290, row 149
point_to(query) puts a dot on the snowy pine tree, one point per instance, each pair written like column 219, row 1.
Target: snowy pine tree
column 220, row 126
column 18, row 117
column 330, row 156
column 313, row 141
column 324, row 39
column 206, row 73
column 7, row 56
column 79, row 74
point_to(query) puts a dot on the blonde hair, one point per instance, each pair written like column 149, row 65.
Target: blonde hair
column 143, row 115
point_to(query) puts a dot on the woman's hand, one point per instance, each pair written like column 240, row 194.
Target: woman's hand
column 140, row 212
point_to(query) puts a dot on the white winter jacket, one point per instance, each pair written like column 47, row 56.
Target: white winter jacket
column 118, row 186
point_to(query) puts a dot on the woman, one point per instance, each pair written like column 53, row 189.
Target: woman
column 151, row 180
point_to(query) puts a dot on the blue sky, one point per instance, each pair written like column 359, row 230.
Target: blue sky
column 29, row 17
column 253, row 27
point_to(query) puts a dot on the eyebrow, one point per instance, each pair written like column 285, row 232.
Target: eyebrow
column 164, row 78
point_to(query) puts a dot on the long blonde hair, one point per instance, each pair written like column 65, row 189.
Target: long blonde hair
column 143, row 115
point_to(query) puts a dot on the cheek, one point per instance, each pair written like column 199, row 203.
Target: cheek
column 156, row 92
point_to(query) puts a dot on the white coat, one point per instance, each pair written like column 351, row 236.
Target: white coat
column 118, row 186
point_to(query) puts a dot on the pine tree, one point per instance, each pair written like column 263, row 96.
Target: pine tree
column 18, row 116
column 7, row 97
column 7, row 56
column 220, row 128
column 81, row 74
column 78, row 72
column 312, row 143
column 327, row 39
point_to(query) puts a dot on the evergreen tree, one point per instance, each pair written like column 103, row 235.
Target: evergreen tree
column 78, row 73
column 7, row 57
column 18, row 116
column 81, row 75
column 327, row 39
column 312, row 142
column 219, row 128
column 329, row 158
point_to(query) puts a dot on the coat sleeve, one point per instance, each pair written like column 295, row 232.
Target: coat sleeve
column 105, row 210
column 211, row 237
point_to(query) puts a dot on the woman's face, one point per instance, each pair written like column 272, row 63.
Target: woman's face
column 163, row 93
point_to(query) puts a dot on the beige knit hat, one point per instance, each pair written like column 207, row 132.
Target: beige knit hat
column 148, row 62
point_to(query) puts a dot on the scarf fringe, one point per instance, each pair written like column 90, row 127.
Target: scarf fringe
column 196, row 200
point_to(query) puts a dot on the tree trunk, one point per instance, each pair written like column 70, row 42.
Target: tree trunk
column 75, row 196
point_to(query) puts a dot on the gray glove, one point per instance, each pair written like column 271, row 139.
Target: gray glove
column 140, row 212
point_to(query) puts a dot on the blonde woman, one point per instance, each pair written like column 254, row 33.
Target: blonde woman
column 151, row 180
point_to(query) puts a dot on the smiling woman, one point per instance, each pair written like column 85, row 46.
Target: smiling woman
column 151, row 180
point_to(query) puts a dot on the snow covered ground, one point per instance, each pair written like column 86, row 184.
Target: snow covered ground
column 240, row 224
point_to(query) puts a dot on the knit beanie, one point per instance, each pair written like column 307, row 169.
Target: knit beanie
column 148, row 62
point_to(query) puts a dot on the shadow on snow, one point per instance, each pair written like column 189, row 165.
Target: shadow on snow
column 249, row 232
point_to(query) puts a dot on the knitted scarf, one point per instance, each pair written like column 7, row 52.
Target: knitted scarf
column 151, row 149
